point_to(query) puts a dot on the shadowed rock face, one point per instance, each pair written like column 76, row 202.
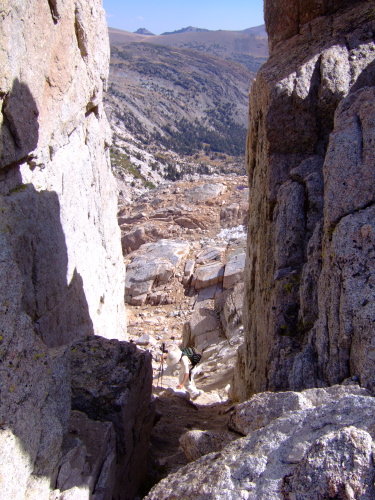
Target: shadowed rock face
column 309, row 271
column 111, row 382
column 20, row 127
column 285, row 18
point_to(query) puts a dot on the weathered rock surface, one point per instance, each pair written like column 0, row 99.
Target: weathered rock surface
column 340, row 464
column 207, row 275
column 204, row 327
column 229, row 305
column 267, row 406
column 286, row 18
column 52, row 124
column 153, row 267
column 206, row 193
column 234, row 270
column 210, row 254
column 140, row 235
column 35, row 394
column 176, row 416
column 309, row 268
column 197, row 443
column 276, row 461
column 234, row 214
column 111, row 382
column 89, row 457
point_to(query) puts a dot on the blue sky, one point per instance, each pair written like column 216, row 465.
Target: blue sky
column 169, row 15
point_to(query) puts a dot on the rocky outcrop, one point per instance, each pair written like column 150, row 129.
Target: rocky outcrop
column 111, row 382
column 196, row 443
column 318, row 451
column 61, row 268
column 89, row 458
column 308, row 301
column 154, row 266
column 286, row 18
column 204, row 327
column 264, row 407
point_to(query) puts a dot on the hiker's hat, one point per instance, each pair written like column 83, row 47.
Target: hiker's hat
column 174, row 355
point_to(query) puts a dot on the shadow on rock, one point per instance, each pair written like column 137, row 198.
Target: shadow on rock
column 20, row 128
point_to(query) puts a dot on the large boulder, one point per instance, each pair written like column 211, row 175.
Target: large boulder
column 89, row 458
column 204, row 326
column 318, row 452
column 112, row 382
column 206, row 193
column 139, row 235
column 154, row 266
column 339, row 464
column 267, row 406
column 234, row 270
column 208, row 275
column 197, row 443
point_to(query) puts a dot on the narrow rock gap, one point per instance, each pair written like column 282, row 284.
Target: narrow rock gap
column 184, row 306
column 54, row 12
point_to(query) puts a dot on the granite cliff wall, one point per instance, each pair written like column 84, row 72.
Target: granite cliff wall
column 309, row 299
column 57, row 192
column 61, row 266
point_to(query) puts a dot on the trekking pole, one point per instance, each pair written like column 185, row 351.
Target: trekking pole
column 161, row 368
column 158, row 376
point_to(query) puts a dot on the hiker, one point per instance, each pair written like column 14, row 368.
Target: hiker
column 186, row 357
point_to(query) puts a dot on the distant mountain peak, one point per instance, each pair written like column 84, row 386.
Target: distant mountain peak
column 144, row 31
column 189, row 29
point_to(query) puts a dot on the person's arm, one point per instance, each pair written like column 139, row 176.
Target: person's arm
column 186, row 376
column 185, row 362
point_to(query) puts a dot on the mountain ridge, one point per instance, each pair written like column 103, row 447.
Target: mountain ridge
column 248, row 47
column 176, row 111
column 192, row 79
column 189, row 29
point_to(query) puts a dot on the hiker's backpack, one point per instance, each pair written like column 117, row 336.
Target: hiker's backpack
column 192, row 354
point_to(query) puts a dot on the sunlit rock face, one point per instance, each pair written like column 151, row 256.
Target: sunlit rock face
column 58, row 195
column 309, row 273
column 313, row 444
column 61, row 269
